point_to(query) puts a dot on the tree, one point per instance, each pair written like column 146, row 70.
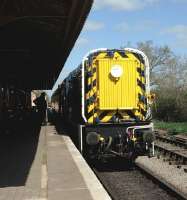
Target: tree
column 158, row 57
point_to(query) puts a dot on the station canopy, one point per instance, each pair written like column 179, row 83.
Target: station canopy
column 36, row 37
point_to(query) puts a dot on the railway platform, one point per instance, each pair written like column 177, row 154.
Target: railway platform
column 45, row 165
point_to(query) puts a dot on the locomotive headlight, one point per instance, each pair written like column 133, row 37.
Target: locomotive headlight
column 92, row 138
column 116, row 71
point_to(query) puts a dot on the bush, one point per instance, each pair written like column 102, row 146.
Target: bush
column 169, row 108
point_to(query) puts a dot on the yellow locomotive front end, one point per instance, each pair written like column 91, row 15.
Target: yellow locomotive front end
column 116, row 104
column 116, row 87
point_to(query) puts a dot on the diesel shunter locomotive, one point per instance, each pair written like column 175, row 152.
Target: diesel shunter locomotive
column 108, row 97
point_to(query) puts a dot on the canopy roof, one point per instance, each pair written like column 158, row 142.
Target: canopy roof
column 36, row 37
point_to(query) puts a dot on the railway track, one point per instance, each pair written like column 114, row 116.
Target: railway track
column 174, row 149
column 178, row 140
column 124, row 183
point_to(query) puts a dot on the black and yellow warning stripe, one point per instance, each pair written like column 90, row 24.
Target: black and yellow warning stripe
column 141, row 84
column 91, row 91
column 106, row 116
column 141, row 88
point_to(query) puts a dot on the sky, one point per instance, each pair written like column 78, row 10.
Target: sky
column 116, row 23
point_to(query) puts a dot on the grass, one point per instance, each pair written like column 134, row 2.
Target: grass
column 173, row 128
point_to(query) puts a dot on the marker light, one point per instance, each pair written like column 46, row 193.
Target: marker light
column 116, row 71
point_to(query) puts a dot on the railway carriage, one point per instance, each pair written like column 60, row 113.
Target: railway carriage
column 108, row 97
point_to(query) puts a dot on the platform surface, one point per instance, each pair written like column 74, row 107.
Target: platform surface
column 45, row 165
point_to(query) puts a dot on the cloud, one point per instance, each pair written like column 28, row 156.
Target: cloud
column 123, row 27
column 148, row 24
column 128, row 5
column 93, row 25
column 143, row 26
column 179, row 1
column 179, row 32
column 82, row 41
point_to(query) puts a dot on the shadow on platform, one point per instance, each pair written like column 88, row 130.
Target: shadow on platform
column 17, row 152
column 64, row 128
column 61, row 126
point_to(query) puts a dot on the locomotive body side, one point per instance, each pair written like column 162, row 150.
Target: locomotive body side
column 109, row 97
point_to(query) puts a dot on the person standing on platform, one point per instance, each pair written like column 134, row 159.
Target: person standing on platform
column 41, row 105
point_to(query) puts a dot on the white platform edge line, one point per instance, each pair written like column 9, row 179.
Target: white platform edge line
column 95, row 187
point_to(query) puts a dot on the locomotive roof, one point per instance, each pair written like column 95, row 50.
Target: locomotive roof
column 36, row 38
